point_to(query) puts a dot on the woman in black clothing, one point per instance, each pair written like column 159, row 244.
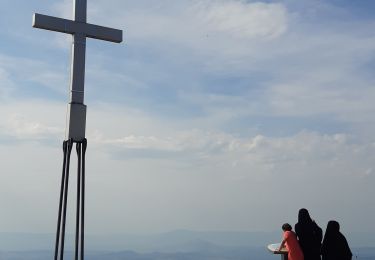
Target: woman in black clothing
column 309, row 235
column 335, row 246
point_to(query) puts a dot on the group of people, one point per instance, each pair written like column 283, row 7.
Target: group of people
column 306, row 242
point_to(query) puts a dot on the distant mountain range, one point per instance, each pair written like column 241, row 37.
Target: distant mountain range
column 180, row 244
column 256, row 254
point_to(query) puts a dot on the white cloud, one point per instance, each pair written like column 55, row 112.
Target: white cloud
column 22, row 128
column 243, row 20
column 181, row 144
column 32, row 120
column 202, row 168
column 202, row 27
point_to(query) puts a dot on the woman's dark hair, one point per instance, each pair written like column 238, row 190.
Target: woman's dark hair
column 286, row 227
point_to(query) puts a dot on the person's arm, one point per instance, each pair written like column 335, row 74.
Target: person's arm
column 282, row 245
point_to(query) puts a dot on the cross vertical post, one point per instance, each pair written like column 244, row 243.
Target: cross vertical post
column 76, row 115
column 78, row 55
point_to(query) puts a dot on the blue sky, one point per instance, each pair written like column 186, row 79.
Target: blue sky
column 212, row 115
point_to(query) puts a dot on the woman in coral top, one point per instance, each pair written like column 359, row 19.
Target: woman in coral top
column 291, row 243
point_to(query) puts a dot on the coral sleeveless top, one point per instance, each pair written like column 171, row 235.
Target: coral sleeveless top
column 292, row 244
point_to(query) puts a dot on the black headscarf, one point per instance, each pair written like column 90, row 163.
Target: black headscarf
column 304, row 217
column 335, row 245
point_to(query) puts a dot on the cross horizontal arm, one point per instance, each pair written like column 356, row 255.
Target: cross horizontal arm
column 51, row 23
column 68, row 26
column 103, row 33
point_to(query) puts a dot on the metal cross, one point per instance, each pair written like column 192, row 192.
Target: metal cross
column 80, row 29
column 76, row 117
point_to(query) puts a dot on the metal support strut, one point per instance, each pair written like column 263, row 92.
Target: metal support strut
column 80, row 209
